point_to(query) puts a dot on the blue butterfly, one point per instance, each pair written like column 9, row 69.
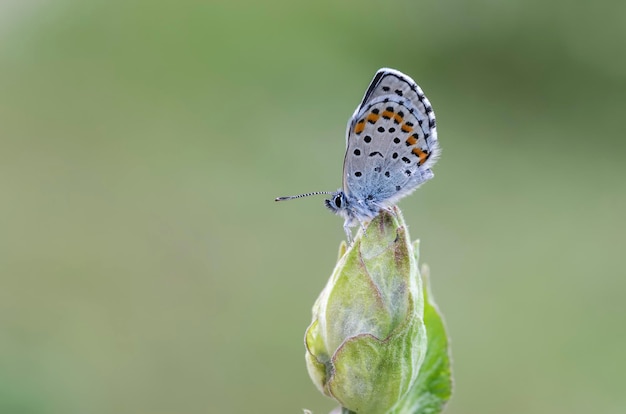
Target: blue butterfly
column 391, row 145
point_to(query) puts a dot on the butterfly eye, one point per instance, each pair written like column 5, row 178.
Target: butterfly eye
column 338, row 201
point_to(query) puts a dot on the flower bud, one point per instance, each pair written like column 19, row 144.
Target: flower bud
column 367, row 340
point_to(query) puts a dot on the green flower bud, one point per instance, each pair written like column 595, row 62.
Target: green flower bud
column 367, row 340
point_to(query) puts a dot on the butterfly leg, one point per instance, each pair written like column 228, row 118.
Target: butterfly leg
column 393, row 210
column 348, row 231
column 363, row 227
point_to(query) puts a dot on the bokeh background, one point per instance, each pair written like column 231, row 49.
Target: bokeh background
column 144, row 267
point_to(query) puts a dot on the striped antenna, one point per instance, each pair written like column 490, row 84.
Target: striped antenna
column 302, row 195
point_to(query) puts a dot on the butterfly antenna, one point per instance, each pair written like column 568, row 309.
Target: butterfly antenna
column 302, row 195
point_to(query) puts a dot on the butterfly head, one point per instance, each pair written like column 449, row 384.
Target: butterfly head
column 337, row 202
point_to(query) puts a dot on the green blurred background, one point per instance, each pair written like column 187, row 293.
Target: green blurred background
column 144, row 267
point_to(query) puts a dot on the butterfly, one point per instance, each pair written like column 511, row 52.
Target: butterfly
column 391, row 146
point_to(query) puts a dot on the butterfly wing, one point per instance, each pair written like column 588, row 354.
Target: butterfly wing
column 391, row 140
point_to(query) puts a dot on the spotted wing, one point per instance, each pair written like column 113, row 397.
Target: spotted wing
column 391, row 140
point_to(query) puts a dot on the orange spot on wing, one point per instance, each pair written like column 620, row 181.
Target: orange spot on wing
column 387, row 114
column 406, row 128
column 372, row 118
column 398, row 119
column 411, row 140
column 421, row 154
column 360, row 126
